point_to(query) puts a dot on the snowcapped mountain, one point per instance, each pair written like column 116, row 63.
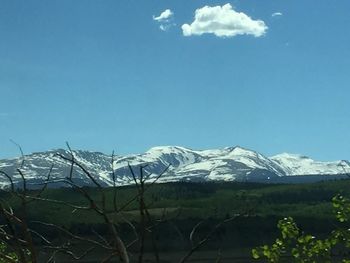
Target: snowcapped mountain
column 228, row 164
column 36, row 166
column 295, row 164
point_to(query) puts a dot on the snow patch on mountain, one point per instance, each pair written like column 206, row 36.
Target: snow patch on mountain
column 295, row 164
column 227, row 164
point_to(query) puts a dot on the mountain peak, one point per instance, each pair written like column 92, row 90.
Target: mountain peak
column 168, row 149
column 230, row 164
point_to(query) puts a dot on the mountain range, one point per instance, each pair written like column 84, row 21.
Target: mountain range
column 227, row 164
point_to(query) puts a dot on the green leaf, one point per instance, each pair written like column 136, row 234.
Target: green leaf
column 255, row 253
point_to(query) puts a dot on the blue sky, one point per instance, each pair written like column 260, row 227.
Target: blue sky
column 103, row 76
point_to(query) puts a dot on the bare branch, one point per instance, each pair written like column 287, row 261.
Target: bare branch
column 65, row 231
column 205, row 239
column 194, row 230
column 10, row 179
column 146, row 188
column 20, row 150
column 72, row 164
column 7, row 258
column 65, row 250
column 114, row 184
column 100, row 237
column 23, row 180
column 86, row 172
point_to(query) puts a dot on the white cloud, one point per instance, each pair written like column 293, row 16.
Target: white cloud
column 165, row 19
column 165, row 16
column 277, row 14
column 165, row 27
column 223, row 21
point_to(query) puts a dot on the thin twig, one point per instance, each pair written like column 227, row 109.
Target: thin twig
column 20, row 150
column 205, row 239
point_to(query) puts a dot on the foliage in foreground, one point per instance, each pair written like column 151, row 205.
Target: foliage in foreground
column 5, row 255
column 304, row 248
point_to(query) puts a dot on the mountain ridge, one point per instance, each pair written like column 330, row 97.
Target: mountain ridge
column 227, row 164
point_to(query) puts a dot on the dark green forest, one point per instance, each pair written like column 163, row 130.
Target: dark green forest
column 254, row 209
column 214, row 200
